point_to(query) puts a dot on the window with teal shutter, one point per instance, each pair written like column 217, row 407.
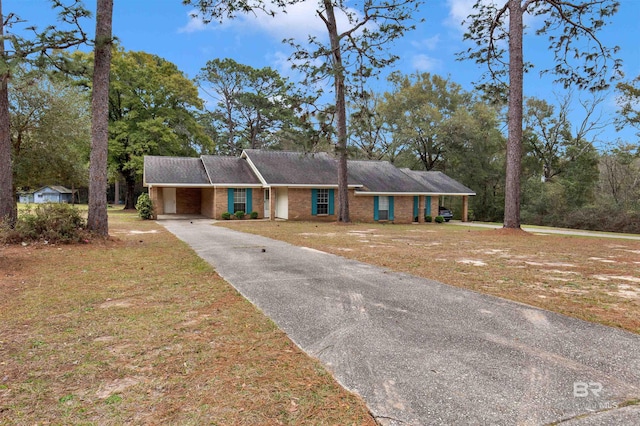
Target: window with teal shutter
column 321, row 201
column 415, row 207
column 314, row 202
column 230, row 200
column 331, row 202
column 376, row 205
column 427, row 205
column 249, row 201
column 390, row 208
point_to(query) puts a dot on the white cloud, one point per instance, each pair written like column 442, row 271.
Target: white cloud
column 300, row 21
column 195, row 23
column 430, row 43
column 459, row 10
column 424, row 63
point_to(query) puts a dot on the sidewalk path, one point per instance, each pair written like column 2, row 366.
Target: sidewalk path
column 557, row 231
column 423, row 353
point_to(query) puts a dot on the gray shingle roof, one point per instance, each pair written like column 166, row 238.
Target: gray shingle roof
column 295, row 168
column 229, row 170
column 382, row 176
column 438, row 182
column 174, row 170
column 61, row 189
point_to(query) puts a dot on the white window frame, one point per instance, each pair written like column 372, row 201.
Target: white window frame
column 322, row 201
column 240, row 199
column 383, row 207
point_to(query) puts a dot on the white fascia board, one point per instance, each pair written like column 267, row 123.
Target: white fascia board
column 205, row 169
column 254, row 168
column 181, row 185
column 238, row 185
column 308, row 185
column 408, row 194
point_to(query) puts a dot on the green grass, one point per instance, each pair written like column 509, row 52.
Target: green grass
column 139, row 330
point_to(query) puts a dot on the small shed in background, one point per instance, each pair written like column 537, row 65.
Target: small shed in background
column 47, row 194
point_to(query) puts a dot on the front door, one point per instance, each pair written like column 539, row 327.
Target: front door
column 169, row 197
column 267, row 209
column 282, row 203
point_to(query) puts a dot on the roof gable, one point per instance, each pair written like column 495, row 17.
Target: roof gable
column 229, row 170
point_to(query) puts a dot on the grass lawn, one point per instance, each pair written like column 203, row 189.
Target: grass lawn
column 596, row 279
column 139, row 330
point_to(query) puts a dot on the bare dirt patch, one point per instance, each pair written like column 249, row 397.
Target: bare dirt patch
column 138, row 330
column 573, row 275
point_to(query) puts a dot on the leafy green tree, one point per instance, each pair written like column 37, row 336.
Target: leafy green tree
column 477, row 157
column 50, row 131
column 20, row 51
column 418, row 112
column 252, row 105
column 629, row 102
column 620, row 176
column 565, row 22
column 352, row 54
column 369, row 135
column 152, row 107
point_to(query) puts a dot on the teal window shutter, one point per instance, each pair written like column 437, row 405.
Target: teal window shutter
column 249, row 200
column 428, row 205
column 331, row 202
column 415, row 206
column 390, row 208
column 314, row 202
column 230, row 200
column 375, row 208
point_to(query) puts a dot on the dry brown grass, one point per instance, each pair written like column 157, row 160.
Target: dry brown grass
column 596, row 279
column 139, row 330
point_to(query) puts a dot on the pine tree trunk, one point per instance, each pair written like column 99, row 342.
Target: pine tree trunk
column 8, row 210
column 97, row 221
column 514, row 137
column 341, row 112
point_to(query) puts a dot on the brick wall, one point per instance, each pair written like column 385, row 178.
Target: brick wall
column 155, row 194
column 219, row 202
column 403, row 209
column 206, row 206
column 360, row 207
column 435, row 203
column 258, row 201
column 300, row 206
column 188, row 200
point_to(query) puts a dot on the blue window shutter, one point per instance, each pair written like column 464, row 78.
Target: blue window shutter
column 390, row 208
column 428, row 205
column 314, row 202
column 249, row 200
column 415, row 206
column 230, row 200
column 331, row 202
column 375, row 208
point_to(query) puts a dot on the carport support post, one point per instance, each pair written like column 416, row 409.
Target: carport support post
column 272, row 205
column 465, row 208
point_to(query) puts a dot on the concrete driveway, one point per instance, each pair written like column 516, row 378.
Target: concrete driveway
column 424, row 353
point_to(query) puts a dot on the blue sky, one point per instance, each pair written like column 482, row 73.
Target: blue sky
column 165, row 28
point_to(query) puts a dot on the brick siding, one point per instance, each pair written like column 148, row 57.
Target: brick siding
column 188, row 200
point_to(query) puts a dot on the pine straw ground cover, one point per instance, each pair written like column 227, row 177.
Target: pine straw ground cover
column 139, row 330
column 595, row 279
